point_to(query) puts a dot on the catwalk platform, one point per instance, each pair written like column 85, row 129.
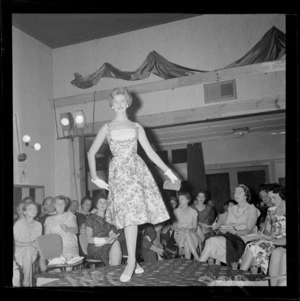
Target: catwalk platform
column 172, row 272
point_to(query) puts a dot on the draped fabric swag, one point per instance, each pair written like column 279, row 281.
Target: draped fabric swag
column 271, row 47
column 195, row 168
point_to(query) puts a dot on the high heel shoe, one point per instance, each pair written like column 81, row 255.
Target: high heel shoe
column 139, row 269
column 126, row 278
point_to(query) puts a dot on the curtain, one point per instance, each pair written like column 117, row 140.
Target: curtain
column 270, row 47
column 195, row 168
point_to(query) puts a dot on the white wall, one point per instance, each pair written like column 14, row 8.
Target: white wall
column 32, row 89
column 206, row 42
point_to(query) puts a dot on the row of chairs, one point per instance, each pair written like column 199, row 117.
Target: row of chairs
column 51, row 246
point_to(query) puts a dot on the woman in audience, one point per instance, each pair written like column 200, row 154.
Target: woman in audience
column 102, row 236
column 274, row 233
column 26, row 230
column 74, row 206
column 84, row 211
column 227, row 246
column 64, row 224
column 47, row 209
column 265, row 204
column 222, row 217
column 185, row 227
column 206, row 215
column 19, row 209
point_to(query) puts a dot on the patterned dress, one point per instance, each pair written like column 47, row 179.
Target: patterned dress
column 134, row 197
column 262, row 249
column 101, row 228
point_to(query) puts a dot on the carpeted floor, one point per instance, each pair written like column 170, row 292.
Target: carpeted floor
column 172, row 272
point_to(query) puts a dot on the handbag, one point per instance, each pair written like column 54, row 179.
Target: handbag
column 168, row 185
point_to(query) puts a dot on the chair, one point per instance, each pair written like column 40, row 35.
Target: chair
column 51, row 246
column 83, row 244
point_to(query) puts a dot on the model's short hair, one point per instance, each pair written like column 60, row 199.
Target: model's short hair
column 277, row 188
column 234, row 202
column 247, row 192
column 119, row 91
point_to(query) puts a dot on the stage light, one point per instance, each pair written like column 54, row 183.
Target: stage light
column 79, row 119
column 66, row 121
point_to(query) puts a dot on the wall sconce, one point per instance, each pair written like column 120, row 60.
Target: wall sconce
column 241, row 131
column 26, row 140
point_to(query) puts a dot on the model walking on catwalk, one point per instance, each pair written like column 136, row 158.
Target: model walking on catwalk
column 134, row 197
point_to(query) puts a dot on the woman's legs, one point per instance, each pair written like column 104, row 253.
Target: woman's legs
column 187, row 250
column 131, row 238
column 192, row 247
column 206, row 251
column 27, row 268
column 277, row 266
column 115, row 254
column 246, row 260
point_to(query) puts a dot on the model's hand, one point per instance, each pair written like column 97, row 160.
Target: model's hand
column 171, row 175
column 100, row 183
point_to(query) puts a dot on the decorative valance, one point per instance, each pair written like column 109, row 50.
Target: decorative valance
column 271, row 47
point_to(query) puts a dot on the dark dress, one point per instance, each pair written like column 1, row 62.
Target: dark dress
column 101, row 228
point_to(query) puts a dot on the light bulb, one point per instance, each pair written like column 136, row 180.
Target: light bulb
column 37, row 146
column 65, row 121
column 79, row 119
column 26, row 138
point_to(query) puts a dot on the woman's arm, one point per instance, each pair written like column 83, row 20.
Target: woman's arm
column 149, row 150
column 94, row 149
column 251, row 223
column 89, row 234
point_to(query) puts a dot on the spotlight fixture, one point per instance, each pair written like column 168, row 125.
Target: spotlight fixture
column 241, row 131
column 79, row 119
column 66, row 121
column 26, row 140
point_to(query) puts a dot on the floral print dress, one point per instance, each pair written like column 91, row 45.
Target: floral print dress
column 134, row 197
column 262, row 249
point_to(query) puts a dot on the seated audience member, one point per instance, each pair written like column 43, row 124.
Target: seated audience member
column 185, row 227
column 228, row 246
column 64, row 224
column 264, row 205
column 150, row 252
column 84, row 211
column 102, row 238
column 26, row 230
column 274, row 233
column 206, row 215
column 47, row 210
column 222, row 217
column 19, row 209
column 74, row 206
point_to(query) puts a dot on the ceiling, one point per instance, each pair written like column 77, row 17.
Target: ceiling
column 261, row 124
column 59, row 30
